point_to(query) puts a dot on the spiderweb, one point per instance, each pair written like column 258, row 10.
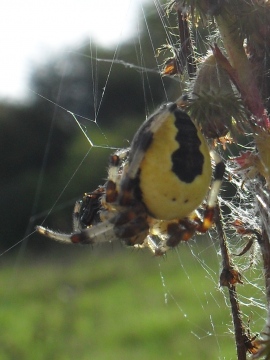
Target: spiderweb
column 189, row 276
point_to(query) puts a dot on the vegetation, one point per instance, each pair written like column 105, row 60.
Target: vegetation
column 98, row 305
column 115, row 304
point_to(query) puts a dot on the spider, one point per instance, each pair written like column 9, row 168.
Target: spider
column 153, row 188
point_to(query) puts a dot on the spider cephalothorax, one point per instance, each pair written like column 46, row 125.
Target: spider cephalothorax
column 153, row 188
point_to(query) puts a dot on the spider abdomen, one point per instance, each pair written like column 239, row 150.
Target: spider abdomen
column 175, row 172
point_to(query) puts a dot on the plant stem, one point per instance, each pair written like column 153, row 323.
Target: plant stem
column 247, row 80
column 186, row 49
column 263, row 201
column 228, row 269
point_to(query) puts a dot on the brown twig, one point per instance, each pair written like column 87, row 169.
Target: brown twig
column 263, row 201
column 186, row 55
column 229, row 277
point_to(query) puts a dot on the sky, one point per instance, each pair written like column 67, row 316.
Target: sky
column 33, row 30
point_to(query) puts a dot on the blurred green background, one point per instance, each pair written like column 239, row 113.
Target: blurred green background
column 114, row 303
column 106, row 302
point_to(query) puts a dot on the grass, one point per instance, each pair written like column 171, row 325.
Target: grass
column 118, row 304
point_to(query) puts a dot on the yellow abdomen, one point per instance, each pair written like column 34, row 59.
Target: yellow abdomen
column 175, row 172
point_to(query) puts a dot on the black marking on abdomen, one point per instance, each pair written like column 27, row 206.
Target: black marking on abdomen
column 188, row 159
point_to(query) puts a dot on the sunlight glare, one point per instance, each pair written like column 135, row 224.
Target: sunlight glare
column 31, row 32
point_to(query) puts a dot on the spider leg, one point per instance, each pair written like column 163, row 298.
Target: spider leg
column 64, row 238
column 219, row 171
column 102, row 232
column 158, row 248
column 150, row 243
column 99, row 233
column 76, row 216
column 218, row 178
column 131, row 231
column 176, row 231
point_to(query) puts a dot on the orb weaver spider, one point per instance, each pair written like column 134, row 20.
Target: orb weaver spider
column 153, row 188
